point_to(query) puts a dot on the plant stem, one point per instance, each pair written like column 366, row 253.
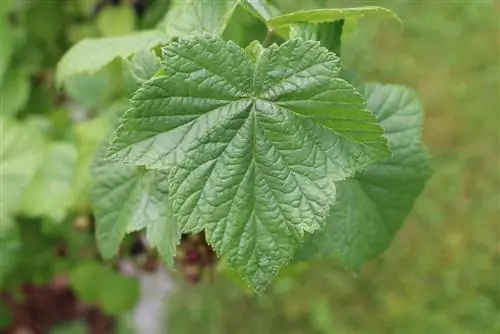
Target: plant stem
column 269, row 38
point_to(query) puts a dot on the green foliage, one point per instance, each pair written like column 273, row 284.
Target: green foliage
column 372, row 205
column 91, row 55
column 5, row 316
column 262, row 9
column 438, row 276
column 191, row 17
column 326, row 15
column 266, row 147
column 49, row 189
column 140, row 68
column 116, row 20
column 14, row 92
column 251, row 144
column 128, row 198
column 20, row 154
column 98, row 284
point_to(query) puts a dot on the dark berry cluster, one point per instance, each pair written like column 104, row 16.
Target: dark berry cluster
column 194, row 256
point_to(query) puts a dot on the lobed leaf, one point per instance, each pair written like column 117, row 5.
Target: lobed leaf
column 253, row 145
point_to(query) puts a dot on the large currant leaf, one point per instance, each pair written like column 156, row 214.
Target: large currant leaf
column 253, row 143
column 193, row 17
column 372, row 206
column 128, row 198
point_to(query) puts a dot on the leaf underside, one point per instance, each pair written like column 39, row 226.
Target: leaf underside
column 252, row 145
column 327, row 15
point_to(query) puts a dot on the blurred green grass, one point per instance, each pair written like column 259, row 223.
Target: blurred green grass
column 442, row 271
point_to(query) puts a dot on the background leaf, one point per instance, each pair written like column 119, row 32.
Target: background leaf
column 328, row 14
column 48, row 194
column 191, row 17
column 21, row 150
column 89, row 135
column 92, row 54
column 372, row 206
column 116, row 20
column 97, row 284
column 261, row 9
column 14, row 92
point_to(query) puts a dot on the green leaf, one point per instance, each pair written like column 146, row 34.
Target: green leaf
column 254, row 50
column 328, row 34
column 265, row 11
column 261, row 9
column 89, row 136
column 140, row 68
column 372, row 206
column 162, row 228
column 7, row 49
column 192, row 17
column 119, row 294
column 85, row 279
column 254, row 146
column 92, row 54
column 21, row 151
column 48, row 194
column 127, row 198
column 5, row 8
column 116, row 20
column 10, row 244
column 97, row 284
column 14, row 92
column 6, row 318
column 76, row 327
column 327, row 15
